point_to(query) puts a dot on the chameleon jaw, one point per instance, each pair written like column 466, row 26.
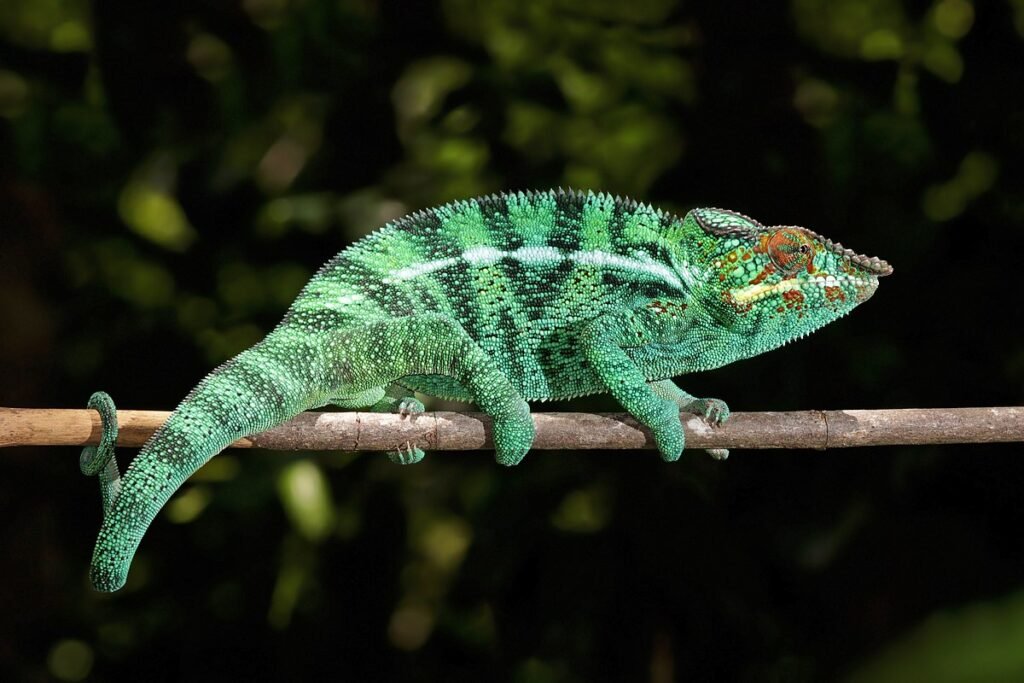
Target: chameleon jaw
column 752, row 293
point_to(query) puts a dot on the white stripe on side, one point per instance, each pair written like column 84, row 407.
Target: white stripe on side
column 481, row 256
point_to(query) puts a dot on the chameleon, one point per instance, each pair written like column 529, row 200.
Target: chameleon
column 500, row 300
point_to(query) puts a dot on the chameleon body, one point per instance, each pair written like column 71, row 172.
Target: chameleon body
column 502, row 300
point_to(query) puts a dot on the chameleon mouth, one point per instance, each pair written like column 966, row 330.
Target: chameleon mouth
column 752, row 293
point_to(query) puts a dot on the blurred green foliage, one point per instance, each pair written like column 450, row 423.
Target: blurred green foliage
column 171, row 175
column 980, row 642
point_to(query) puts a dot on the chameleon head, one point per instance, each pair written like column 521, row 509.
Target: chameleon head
column 778, row 283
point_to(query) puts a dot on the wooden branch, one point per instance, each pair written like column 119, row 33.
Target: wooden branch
column 355, row 431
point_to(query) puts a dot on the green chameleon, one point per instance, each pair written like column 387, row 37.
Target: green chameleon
column 500, row 300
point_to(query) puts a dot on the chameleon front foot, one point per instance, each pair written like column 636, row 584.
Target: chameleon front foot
column 714, row 412
column 667, row 425
column 667, row 430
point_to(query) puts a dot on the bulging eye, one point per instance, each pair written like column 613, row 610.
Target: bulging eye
column 790, row 250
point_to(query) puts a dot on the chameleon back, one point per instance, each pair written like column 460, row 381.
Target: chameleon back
column 519, row 272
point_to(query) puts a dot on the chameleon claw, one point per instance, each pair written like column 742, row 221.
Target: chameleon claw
column 718, row 453
column 409, row 455
column 99, row 461
column 409, row 406
column 715, row 411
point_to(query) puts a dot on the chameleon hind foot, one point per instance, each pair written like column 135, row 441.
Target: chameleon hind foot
column 667, row 429
column 397, row 399
column 402, row 402
column 409, row 405
column 99, row 461
column 406, row 455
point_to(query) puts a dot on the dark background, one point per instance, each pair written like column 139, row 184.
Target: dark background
column 171, row 173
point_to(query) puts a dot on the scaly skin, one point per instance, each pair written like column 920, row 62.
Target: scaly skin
column 503, row 300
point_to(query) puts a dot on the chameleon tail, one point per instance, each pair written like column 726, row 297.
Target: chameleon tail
column 261, row 387
column 99, row 460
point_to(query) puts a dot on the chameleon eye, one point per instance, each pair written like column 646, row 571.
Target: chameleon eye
column 790, row 250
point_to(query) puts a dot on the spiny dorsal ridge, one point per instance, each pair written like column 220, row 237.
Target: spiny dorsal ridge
column 624, row 202
column 574, row 194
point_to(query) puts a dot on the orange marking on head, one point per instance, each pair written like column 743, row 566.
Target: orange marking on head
column 794, row 298
column 835, row 294
column 768, row 270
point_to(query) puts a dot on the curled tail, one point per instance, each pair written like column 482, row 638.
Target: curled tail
column 254, row 391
